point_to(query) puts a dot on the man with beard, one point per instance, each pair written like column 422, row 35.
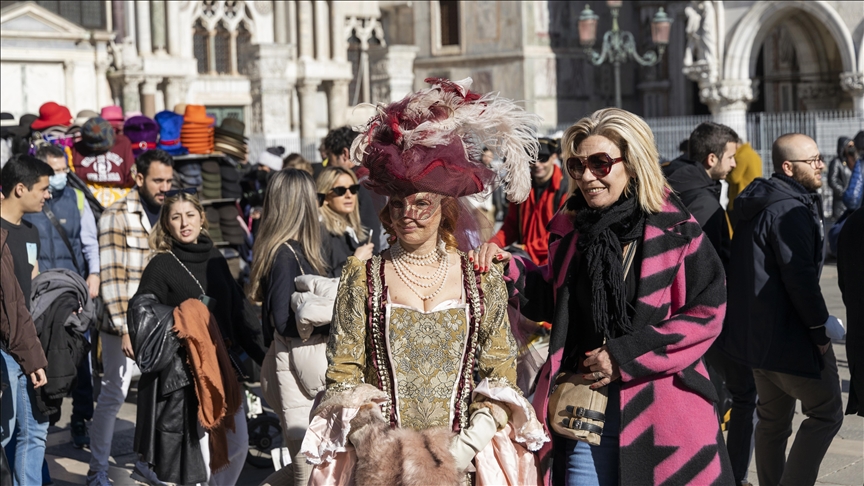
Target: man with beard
column 124, row 251
column 777, row 321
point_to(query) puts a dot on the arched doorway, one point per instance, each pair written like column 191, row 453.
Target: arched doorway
column 794, row 53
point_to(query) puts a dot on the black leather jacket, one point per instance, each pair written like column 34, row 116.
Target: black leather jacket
column 166, row 395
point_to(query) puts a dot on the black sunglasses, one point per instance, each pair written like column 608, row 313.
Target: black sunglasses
column 188, row 190
column 600, row 164
column 341, row 190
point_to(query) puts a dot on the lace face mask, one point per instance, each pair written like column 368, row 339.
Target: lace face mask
column 419, row 207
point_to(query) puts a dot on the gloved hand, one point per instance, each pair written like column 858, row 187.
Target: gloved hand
column 473, row 438
column 834, row 328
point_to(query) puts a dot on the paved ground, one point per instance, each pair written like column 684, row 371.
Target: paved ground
column 844, row 464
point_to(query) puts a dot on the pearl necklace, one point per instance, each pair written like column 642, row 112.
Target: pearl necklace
column 401, row 258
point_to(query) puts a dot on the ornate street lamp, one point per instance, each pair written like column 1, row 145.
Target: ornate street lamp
column 618, row 44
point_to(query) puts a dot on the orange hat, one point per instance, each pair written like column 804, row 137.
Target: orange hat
column 197, row 114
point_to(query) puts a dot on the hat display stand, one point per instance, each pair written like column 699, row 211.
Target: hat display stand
column 218, row 184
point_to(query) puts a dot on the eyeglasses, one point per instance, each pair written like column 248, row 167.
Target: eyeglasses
column 341, row 190
column 600, row 164
column 189, row 190
column 814, row 162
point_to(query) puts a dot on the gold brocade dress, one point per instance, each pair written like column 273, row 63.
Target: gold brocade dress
column 425, row 361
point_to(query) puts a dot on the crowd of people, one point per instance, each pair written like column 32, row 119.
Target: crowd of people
column 397, row 289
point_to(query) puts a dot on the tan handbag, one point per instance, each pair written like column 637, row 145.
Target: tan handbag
column 576, row 411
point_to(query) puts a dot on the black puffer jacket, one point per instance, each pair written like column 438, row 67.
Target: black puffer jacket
column 165, row 395
column 776, row 314
column 701, row 195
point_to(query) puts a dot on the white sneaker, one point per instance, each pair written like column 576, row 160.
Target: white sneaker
column 99, row 478
column 143, row 474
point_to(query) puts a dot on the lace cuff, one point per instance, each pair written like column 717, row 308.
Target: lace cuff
column 328, row 431
column 528, row 430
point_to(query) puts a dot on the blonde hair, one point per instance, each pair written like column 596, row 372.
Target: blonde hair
column 160, row 239
column 336, row 223
column 288, row 213
column 296, row 161
column 634, row 138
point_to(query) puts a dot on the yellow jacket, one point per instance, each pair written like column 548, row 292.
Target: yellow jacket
column 748, row 166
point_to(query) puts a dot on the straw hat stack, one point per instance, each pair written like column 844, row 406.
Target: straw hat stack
column 230, row 140
column 197, row 132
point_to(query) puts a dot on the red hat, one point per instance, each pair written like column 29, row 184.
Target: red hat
column 52, row 114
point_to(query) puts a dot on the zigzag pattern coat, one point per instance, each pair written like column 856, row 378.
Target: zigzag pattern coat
column 669, row 430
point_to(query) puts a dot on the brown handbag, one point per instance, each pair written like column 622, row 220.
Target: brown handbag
column 576, row 411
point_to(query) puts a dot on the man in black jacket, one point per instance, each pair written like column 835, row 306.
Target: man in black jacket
column 696, row 178
column 776, row 317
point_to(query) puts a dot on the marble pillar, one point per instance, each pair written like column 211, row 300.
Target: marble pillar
column 157, row 23
column 148, row 96
column 142, row 14
column 172, row 25
column 307, row 90
column 130, row 24
column 337, row 33
column 728, row 100
column 266, row 65
column 306, row 38
column 322, row 31
column 292, row 28
column 69, row 81
column 175, row 91
column 280, row 22
column 853, row 83
column 337, row 101
column 131, row 94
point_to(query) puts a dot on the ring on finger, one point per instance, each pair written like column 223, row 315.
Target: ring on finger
column 597, row 376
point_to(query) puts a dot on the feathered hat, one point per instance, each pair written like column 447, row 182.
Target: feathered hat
column 433, row 140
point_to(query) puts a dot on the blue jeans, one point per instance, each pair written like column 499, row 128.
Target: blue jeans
column 32, row 424
column 582, row 464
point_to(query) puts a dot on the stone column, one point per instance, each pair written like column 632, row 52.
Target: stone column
column 266, row 65
column 69, row 80
column 131, row 94
column 103, row 90
column 175, row 91
column 728, row 100
column 280, row 22
column 337, row 101
column 292, row 28
column 233, row 49
column 130, row 24
column 211, row 57
column 322, row 31
column 157, row 21
column 307, row 89
column 172, row 25
column 853, row 83
column 337, row 32
column 148, row 96
column 142, row 13
column 305, row 26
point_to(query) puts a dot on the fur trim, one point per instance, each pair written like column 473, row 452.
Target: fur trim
column 403, row 457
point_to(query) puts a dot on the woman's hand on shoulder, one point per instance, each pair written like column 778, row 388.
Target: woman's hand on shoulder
column 486, row 254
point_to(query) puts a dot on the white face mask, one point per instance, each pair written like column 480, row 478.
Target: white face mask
column 57, row 182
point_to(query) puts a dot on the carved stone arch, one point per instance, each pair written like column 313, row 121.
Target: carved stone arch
column 737, row 62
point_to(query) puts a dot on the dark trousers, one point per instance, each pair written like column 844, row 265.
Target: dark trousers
column 739, row 381
column 821, row 402
column 82, row 394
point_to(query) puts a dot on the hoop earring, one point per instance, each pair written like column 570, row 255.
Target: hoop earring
column 391, row 239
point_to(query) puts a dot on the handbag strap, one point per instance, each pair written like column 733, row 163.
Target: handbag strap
column 187, row 271
column 296, row 258
column 59, row 228
column 629, row 255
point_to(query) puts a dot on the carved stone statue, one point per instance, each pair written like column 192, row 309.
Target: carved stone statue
column 700, row 54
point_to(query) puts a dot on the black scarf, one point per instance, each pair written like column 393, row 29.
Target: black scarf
column 602, row 235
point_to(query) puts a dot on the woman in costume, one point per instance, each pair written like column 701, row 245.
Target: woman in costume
column 169, row 319
column 422, row 362
column 638, row 335
column 342, row 234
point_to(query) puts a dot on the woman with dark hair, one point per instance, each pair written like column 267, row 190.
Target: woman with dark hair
column 188, row 322
column 415, row 325
column 636, row 295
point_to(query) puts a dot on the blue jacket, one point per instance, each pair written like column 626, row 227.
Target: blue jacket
column 855, row 190
column 69, row 208
column 776, row 314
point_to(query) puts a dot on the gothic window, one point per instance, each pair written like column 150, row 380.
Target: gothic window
column 222, row 42
column 200, row 40
column 222, row 30
column 90, row 15
column 449, row 22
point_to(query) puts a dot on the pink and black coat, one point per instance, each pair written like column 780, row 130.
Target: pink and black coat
column 669, row 429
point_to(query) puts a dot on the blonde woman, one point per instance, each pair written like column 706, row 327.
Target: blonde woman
column 287, row 246
column 639, row 335
column 342, row 234
column 188, row 267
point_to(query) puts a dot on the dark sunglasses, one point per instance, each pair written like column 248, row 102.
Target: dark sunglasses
column 600, row 164
column 340, row 190
column 189, row 190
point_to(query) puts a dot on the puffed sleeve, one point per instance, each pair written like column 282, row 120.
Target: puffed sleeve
column 346, row 349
